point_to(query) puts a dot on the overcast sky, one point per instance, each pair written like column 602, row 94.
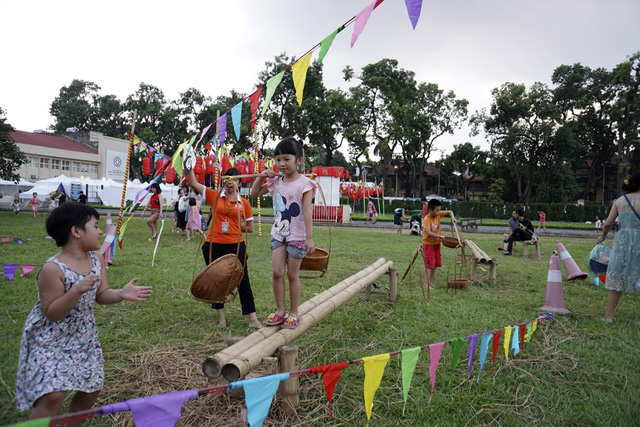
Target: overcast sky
column 468, row 46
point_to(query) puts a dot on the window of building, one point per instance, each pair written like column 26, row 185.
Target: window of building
column 65, row 165
column 33, row 162
column 44, row 163
column 93, row 169
column 76, row 167
column 84, row 167
column 55, row 164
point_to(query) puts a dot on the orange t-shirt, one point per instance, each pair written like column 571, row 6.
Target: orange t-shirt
column 432, row 224
column 226, row 212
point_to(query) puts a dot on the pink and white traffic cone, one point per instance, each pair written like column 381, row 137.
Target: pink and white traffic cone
column 554, row 295
column 570, row 266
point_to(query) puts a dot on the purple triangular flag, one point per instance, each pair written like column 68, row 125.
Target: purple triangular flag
column 413, row 8
column 361, row 21
column 17, row 240
column 160, row 410
column 222, row 128
column 9, row 270
column 473, row 340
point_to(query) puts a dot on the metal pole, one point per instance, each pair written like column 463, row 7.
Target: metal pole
column 438, row 181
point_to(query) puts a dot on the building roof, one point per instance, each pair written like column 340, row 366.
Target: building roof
column 44, row 140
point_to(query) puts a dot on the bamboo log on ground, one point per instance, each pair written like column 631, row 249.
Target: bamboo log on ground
column 251, row 358
column 212, row 366
column 490, row 260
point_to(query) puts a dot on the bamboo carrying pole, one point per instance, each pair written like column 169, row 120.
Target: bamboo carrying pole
column 242, row 364
column 212, row 366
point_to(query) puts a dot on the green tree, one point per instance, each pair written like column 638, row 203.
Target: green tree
column 75, row 106
column 12, row 158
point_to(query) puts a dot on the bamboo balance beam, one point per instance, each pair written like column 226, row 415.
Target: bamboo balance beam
column 251, row 358
column 476, row 252
column 480, row 256
column 212, row 366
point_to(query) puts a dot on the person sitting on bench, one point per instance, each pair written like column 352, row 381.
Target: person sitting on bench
column 522, row 233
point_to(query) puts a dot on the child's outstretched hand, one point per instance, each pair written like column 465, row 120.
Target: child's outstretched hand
column 87, row 283
column 131, row 292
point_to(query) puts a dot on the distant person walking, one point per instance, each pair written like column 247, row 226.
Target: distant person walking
column 623, row 272
column 35, row 204
column 155, row 204
column 542, row 221
column 82, row 198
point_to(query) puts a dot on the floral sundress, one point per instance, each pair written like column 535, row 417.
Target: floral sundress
column 63, row 355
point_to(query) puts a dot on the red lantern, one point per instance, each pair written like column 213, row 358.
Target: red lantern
column 146, row 166
column 275, row 168
column 261, row 166
column 225, row 163
column 252, row 166
column 158, row 165
column 346, row 175
column 171, row 175
column 209, row 166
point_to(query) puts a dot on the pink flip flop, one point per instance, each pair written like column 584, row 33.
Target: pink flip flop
column 291, row 322
column 274, row 319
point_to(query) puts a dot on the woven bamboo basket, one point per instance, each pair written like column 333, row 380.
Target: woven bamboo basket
column 458, row 283
column 218, row 281
column 317, row 261
column 452, row 242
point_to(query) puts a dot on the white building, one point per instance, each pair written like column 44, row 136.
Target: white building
column 76, row 154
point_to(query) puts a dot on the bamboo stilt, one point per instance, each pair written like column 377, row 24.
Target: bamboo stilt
column 288, row 362
column 243, row 363
column 393, row 283
column 212, row 366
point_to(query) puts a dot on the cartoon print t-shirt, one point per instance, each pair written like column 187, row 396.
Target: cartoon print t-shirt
column 288, row 225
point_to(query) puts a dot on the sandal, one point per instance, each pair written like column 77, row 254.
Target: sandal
column 274, row 319
column 292, row 322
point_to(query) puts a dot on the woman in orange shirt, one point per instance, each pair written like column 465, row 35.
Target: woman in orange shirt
column 222, row 236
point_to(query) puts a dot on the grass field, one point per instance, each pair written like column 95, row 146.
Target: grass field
column 576, row 370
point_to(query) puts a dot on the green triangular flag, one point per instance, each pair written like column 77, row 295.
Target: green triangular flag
column 456, row 346
column 272, row 84
column 40, row 422
column 409, row 360
column 326, row 44
column 527, row 336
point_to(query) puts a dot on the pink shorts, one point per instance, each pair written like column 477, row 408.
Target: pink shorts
column 432, row 258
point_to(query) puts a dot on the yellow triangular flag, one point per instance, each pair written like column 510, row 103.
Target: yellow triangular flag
column 507, row 339
column 534, row 326
column 299, row 70
column 373, row 371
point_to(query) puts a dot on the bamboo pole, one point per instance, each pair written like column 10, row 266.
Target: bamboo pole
column 475, row 250
column 212, row 366
column 288, row 362
column 251, row 358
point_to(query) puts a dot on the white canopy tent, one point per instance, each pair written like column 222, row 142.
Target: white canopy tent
column 45, row 187
column 10, row 187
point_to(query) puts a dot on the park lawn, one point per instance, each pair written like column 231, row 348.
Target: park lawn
column 576, row 370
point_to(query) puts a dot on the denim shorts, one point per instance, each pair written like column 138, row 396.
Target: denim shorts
column 296, row 249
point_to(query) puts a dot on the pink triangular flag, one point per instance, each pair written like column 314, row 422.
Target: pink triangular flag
column 435, row 350
column 26, row 269
column 361, row 21
column 6, row 239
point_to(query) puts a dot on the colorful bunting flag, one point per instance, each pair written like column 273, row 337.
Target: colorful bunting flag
column 496, row 345
column 505, row 343
column 6, row 239
column 523, row 329
column 456, row 347
column 330, row 377
column 272, row 84
column 528, row 334
column 236, row 118
column 258, row 394
column 325, row 44
column 484, row 348
column 9, row 270
column 473, row 339
column 222, row 128
column 40, row 422
column 299, row 70
column 515, row 343
column 409, row 360
column 254, row 99
column 435, row 351
column 160, row 410
column 373, row 371
column 26, row 269
column 17, row 240
column 361, row 21
column 413, row 8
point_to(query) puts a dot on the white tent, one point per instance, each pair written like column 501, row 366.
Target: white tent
column 111, row 193
column 46, row 186
column 10, row 187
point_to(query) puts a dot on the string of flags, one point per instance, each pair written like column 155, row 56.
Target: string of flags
column 164, row 409
column 9, row 270
column 14, row 239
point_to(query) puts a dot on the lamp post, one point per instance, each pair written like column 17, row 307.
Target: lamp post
column 395, row 168
column 457, row 174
